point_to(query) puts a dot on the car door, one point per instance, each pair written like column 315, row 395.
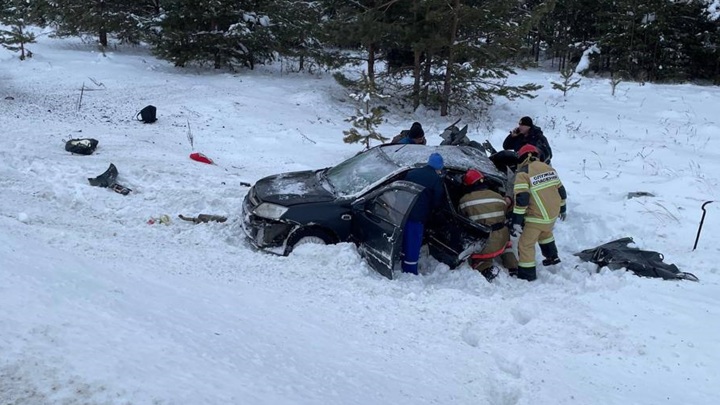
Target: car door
column 452, row 237
column 378, row 222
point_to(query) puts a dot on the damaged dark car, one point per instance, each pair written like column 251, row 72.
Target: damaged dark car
column 365, row 200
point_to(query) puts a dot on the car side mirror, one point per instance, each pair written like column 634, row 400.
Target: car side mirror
column 359, row 204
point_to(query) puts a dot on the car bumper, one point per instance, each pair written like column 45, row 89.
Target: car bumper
column 263, row 233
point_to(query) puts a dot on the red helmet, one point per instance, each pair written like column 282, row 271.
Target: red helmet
column 472, row 176
column 528, row 148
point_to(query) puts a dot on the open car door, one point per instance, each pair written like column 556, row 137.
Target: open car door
column 378, row 222
column 452, row 237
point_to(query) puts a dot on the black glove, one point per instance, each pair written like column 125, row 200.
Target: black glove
column 563, row 212
column 516, row 224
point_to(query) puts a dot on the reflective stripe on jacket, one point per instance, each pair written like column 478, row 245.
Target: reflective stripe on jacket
column 488, row 208
column 483, row 206
column 539, row 194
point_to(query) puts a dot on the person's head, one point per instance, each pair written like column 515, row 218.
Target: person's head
column 473, row 177
column 528, row 151
column 525, row 124
column 436, row 162
column 416, row 133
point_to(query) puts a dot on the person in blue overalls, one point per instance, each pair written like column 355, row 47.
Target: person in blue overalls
column 428, row 176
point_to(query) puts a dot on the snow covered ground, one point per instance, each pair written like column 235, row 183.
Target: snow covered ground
column 99, row 307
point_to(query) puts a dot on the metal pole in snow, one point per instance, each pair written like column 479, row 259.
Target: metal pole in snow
column 702, row 219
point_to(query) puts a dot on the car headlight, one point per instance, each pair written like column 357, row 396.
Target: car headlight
column 270, row 211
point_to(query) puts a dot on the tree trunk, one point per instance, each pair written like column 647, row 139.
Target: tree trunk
column 371, row 63
column 102, row 34
column 426, row 78
column 416, row 79
column 445, row 101
column 103, row 37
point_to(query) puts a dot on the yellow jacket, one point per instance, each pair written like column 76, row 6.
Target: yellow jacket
column 539, row 194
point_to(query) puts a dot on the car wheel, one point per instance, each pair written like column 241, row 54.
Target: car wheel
column 308, row 236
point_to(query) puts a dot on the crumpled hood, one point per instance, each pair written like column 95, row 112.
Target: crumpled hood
column 292, row 188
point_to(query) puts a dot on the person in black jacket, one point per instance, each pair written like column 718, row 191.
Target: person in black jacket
column 429, row 199
column 527, row 133
column 414, row 135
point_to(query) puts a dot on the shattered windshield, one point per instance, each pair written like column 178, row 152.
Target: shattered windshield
column 358, row 172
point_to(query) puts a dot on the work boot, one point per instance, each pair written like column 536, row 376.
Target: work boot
column 551, row 261
column 513, row 272
column 490, row 273
column 548, row 249
column 527, row 273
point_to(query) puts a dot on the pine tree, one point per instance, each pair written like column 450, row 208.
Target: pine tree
column 298, row 28
column 659, row 40
column 365, row 25
column 567, row 83
column 16, row 14
column 366, row 118
column 101, row 18
column 225, row 33
column 569, row 29
column 479, row 40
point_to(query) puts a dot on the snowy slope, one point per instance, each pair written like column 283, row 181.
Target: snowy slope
column 99, row 307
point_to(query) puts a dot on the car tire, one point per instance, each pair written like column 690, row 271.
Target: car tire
column 304, row 236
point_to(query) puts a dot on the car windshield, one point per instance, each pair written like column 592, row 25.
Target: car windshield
column 360, row 171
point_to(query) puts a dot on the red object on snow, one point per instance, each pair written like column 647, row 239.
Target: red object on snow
column 199, row 157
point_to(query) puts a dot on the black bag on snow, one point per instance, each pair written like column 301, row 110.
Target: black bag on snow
column 645, row 263
column 147, row 115
column 81, row 146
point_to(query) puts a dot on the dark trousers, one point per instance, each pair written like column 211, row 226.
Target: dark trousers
column 412, row 242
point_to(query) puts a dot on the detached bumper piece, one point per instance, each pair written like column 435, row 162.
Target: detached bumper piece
column 109, row 180
column 645, row 263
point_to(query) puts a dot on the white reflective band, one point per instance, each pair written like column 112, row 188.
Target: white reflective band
column 482, row 201
column 495, row 214
column 409, row 262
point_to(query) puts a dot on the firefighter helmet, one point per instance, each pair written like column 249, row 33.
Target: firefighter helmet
column 472, row 176
column 528, row 148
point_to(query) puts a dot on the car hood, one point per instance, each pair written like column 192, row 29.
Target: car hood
column 292, row 188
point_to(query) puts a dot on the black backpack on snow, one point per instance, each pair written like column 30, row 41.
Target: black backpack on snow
column 147, row 115
column 81, row 146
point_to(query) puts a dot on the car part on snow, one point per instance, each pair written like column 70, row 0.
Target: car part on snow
column 644, row 263
column 120, row 189
column 147, row 115
column 702, row 219
column 634, row 194
column 81, row 146
column 203, row 218
column 106, row 179
column 109, row 180
column 162, row 219
column 199, row 157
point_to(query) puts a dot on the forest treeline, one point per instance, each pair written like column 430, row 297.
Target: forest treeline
column 435, row 53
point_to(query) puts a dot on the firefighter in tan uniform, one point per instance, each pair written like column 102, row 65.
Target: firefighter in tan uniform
column 539, row 201
column 489, row 208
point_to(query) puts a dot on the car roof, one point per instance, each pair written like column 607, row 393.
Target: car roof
column 454, row 157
